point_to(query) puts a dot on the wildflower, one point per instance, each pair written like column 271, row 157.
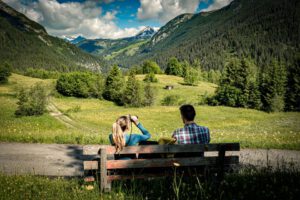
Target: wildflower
column 89, row 187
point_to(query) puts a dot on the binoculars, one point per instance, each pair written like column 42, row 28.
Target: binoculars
column 133, row 117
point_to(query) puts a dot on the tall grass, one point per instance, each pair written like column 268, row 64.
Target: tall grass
column 247, row 184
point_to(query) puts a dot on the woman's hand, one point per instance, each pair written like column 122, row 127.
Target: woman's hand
column 135, row 120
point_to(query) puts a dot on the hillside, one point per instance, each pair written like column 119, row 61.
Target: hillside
column 258, row 29
column 24, row 43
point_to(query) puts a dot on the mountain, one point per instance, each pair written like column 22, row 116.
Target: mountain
column 25, row 43
column 169, row 28
column 146, row 33
column 261, row 30
column 75, row 40
column 116, row 49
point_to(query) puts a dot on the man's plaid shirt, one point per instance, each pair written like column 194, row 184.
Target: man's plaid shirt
column 192, row 134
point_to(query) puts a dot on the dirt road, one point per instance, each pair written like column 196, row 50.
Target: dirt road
column 66, row 160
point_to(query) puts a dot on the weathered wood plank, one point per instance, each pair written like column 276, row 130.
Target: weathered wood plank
column 104, row 185
column 89, row 179
column 160, row 162
column 90, row 165
column 149, row 149
column 138, row 176
column 92, row 149
column 168, row 162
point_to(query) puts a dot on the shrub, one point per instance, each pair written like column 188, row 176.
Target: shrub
column 41, row 73
column 174, row 67
column 191, row 76
column 150, row 66
column 171, row 100
column 80, row 84
column 32, row 101
column 5, row 72
column 151, row 78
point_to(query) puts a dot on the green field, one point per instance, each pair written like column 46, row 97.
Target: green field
column 252, row 128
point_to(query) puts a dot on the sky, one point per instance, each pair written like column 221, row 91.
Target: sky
column 107, row 18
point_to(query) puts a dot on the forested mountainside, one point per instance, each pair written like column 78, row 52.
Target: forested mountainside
column 261, row 30
column 25, row 43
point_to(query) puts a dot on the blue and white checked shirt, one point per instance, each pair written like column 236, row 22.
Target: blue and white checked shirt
column 192, row 134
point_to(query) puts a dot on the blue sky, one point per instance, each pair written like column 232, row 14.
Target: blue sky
column 107, row 18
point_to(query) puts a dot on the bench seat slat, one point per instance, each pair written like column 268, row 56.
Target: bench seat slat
column 166, row 162
column 161, row 162
column 150, row 149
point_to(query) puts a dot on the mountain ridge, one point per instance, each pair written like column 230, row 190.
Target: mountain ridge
column 116, row 48
column 260, row 30
column 25, row 43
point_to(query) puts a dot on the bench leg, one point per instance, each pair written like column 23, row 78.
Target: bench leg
column 105, row 186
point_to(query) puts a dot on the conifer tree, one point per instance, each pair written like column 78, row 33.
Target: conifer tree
column 149, row 95
column 272, row 87
column 238, row 86
column 5, row 72
column 114, row 85
column 132, row 94
column 292, row 97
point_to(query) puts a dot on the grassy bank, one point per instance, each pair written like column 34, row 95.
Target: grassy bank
column 252, row 128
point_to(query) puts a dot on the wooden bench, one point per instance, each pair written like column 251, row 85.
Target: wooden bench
column 163, row 158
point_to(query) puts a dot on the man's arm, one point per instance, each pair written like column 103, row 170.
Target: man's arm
column 175, row 136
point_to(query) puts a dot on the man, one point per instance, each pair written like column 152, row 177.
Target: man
column 191, row 133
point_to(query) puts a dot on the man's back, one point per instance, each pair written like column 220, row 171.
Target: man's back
column 192, row 134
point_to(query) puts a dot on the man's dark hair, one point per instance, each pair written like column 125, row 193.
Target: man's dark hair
column 188, row 112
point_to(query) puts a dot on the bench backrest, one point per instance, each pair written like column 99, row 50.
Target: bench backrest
column 107, row 161
column 108, row 151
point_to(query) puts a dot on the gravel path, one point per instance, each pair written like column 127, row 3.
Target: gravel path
column 66, row 160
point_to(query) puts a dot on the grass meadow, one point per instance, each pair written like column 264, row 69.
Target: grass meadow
column 252, row 128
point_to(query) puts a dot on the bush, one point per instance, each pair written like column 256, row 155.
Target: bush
column 171, row 100
column 41, row 73
column 5, row 72
column 174, row 67
column 191, row 76
column 32, row 101
column 150, row 67
column 80, row 84
column 228, row 95
column 151, row 78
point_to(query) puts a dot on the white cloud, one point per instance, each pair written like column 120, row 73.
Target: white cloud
column 73, row 18
column 165, row 10
column 217, row 4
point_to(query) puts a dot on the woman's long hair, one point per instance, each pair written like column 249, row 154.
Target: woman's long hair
column 121, row 126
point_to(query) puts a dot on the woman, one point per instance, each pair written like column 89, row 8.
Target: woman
column 120, row 136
